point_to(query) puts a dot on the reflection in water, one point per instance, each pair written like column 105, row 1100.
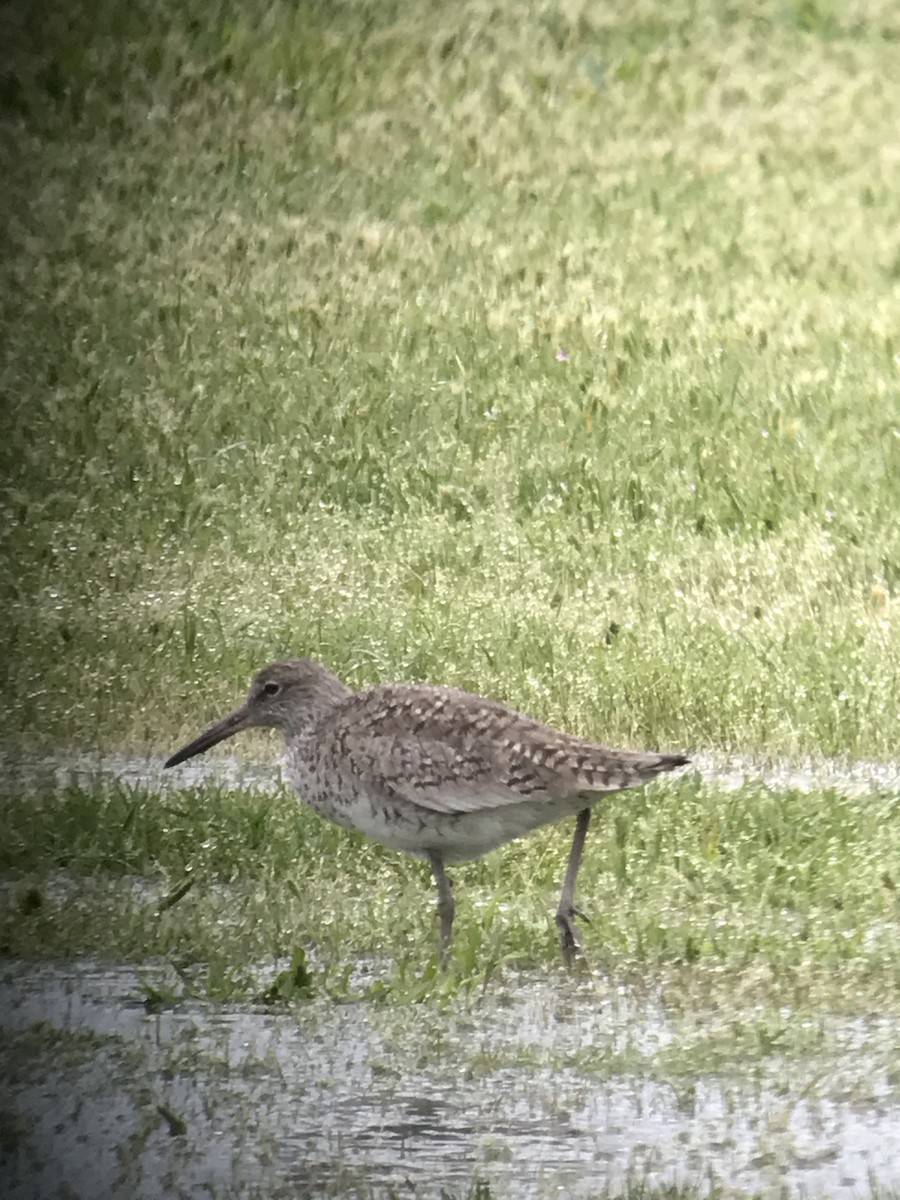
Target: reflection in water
column 359, row 1099
column 24, row 774
column 527, row 1088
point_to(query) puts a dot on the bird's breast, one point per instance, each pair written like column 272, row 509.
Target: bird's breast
column 414, row 828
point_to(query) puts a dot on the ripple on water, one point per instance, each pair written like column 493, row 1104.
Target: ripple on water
column 335, row 1098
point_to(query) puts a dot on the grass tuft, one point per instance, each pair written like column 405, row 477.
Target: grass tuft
column 789, row 894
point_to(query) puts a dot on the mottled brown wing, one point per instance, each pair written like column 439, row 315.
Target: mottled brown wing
column 432, row 775
column 451, row 752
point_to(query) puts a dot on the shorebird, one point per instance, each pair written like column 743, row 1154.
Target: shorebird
column 432, row 771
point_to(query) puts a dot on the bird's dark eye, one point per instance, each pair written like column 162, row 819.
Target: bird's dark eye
column 271, row 688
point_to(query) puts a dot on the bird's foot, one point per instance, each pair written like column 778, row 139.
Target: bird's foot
column 569, row 933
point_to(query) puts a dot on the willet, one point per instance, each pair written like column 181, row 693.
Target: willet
column 432, row 771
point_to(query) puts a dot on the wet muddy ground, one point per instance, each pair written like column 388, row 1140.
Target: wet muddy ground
column 539, row 1085
column 525, row 1091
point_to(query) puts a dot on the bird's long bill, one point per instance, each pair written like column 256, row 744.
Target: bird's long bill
column 226, row 728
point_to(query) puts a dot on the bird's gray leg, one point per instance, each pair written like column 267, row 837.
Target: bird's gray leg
column 446, row 905
column 569, row 937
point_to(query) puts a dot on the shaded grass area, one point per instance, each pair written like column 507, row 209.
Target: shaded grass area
column 550, row 352
column 732, row 897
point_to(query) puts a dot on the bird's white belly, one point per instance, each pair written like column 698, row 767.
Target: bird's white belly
column 456, row 837
column 417, row 830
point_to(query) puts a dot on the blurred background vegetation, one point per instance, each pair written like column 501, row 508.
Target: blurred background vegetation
column 547, row 349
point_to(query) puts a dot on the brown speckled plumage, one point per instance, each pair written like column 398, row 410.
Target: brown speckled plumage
column 432, row 771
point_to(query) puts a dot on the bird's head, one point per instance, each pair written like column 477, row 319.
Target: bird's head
column 290, row 696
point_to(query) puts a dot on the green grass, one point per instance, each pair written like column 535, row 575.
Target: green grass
column 734, row 899
column 547, row 350
column 284, row 291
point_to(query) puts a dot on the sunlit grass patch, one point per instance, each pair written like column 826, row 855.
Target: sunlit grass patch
column 746, row 893
column 676, row 643
column 549, row 353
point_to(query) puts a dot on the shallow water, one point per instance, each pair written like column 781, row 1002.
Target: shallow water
column 28, row 773
column 358, row 1099
column 543, row 1086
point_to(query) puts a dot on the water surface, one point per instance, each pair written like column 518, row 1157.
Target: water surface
column 542, row 1086
column 24, row 774
column 357, row 1099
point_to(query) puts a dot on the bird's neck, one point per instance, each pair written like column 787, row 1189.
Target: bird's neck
column 327, row 694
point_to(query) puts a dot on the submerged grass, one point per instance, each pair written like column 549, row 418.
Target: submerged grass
column 161, row 1120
